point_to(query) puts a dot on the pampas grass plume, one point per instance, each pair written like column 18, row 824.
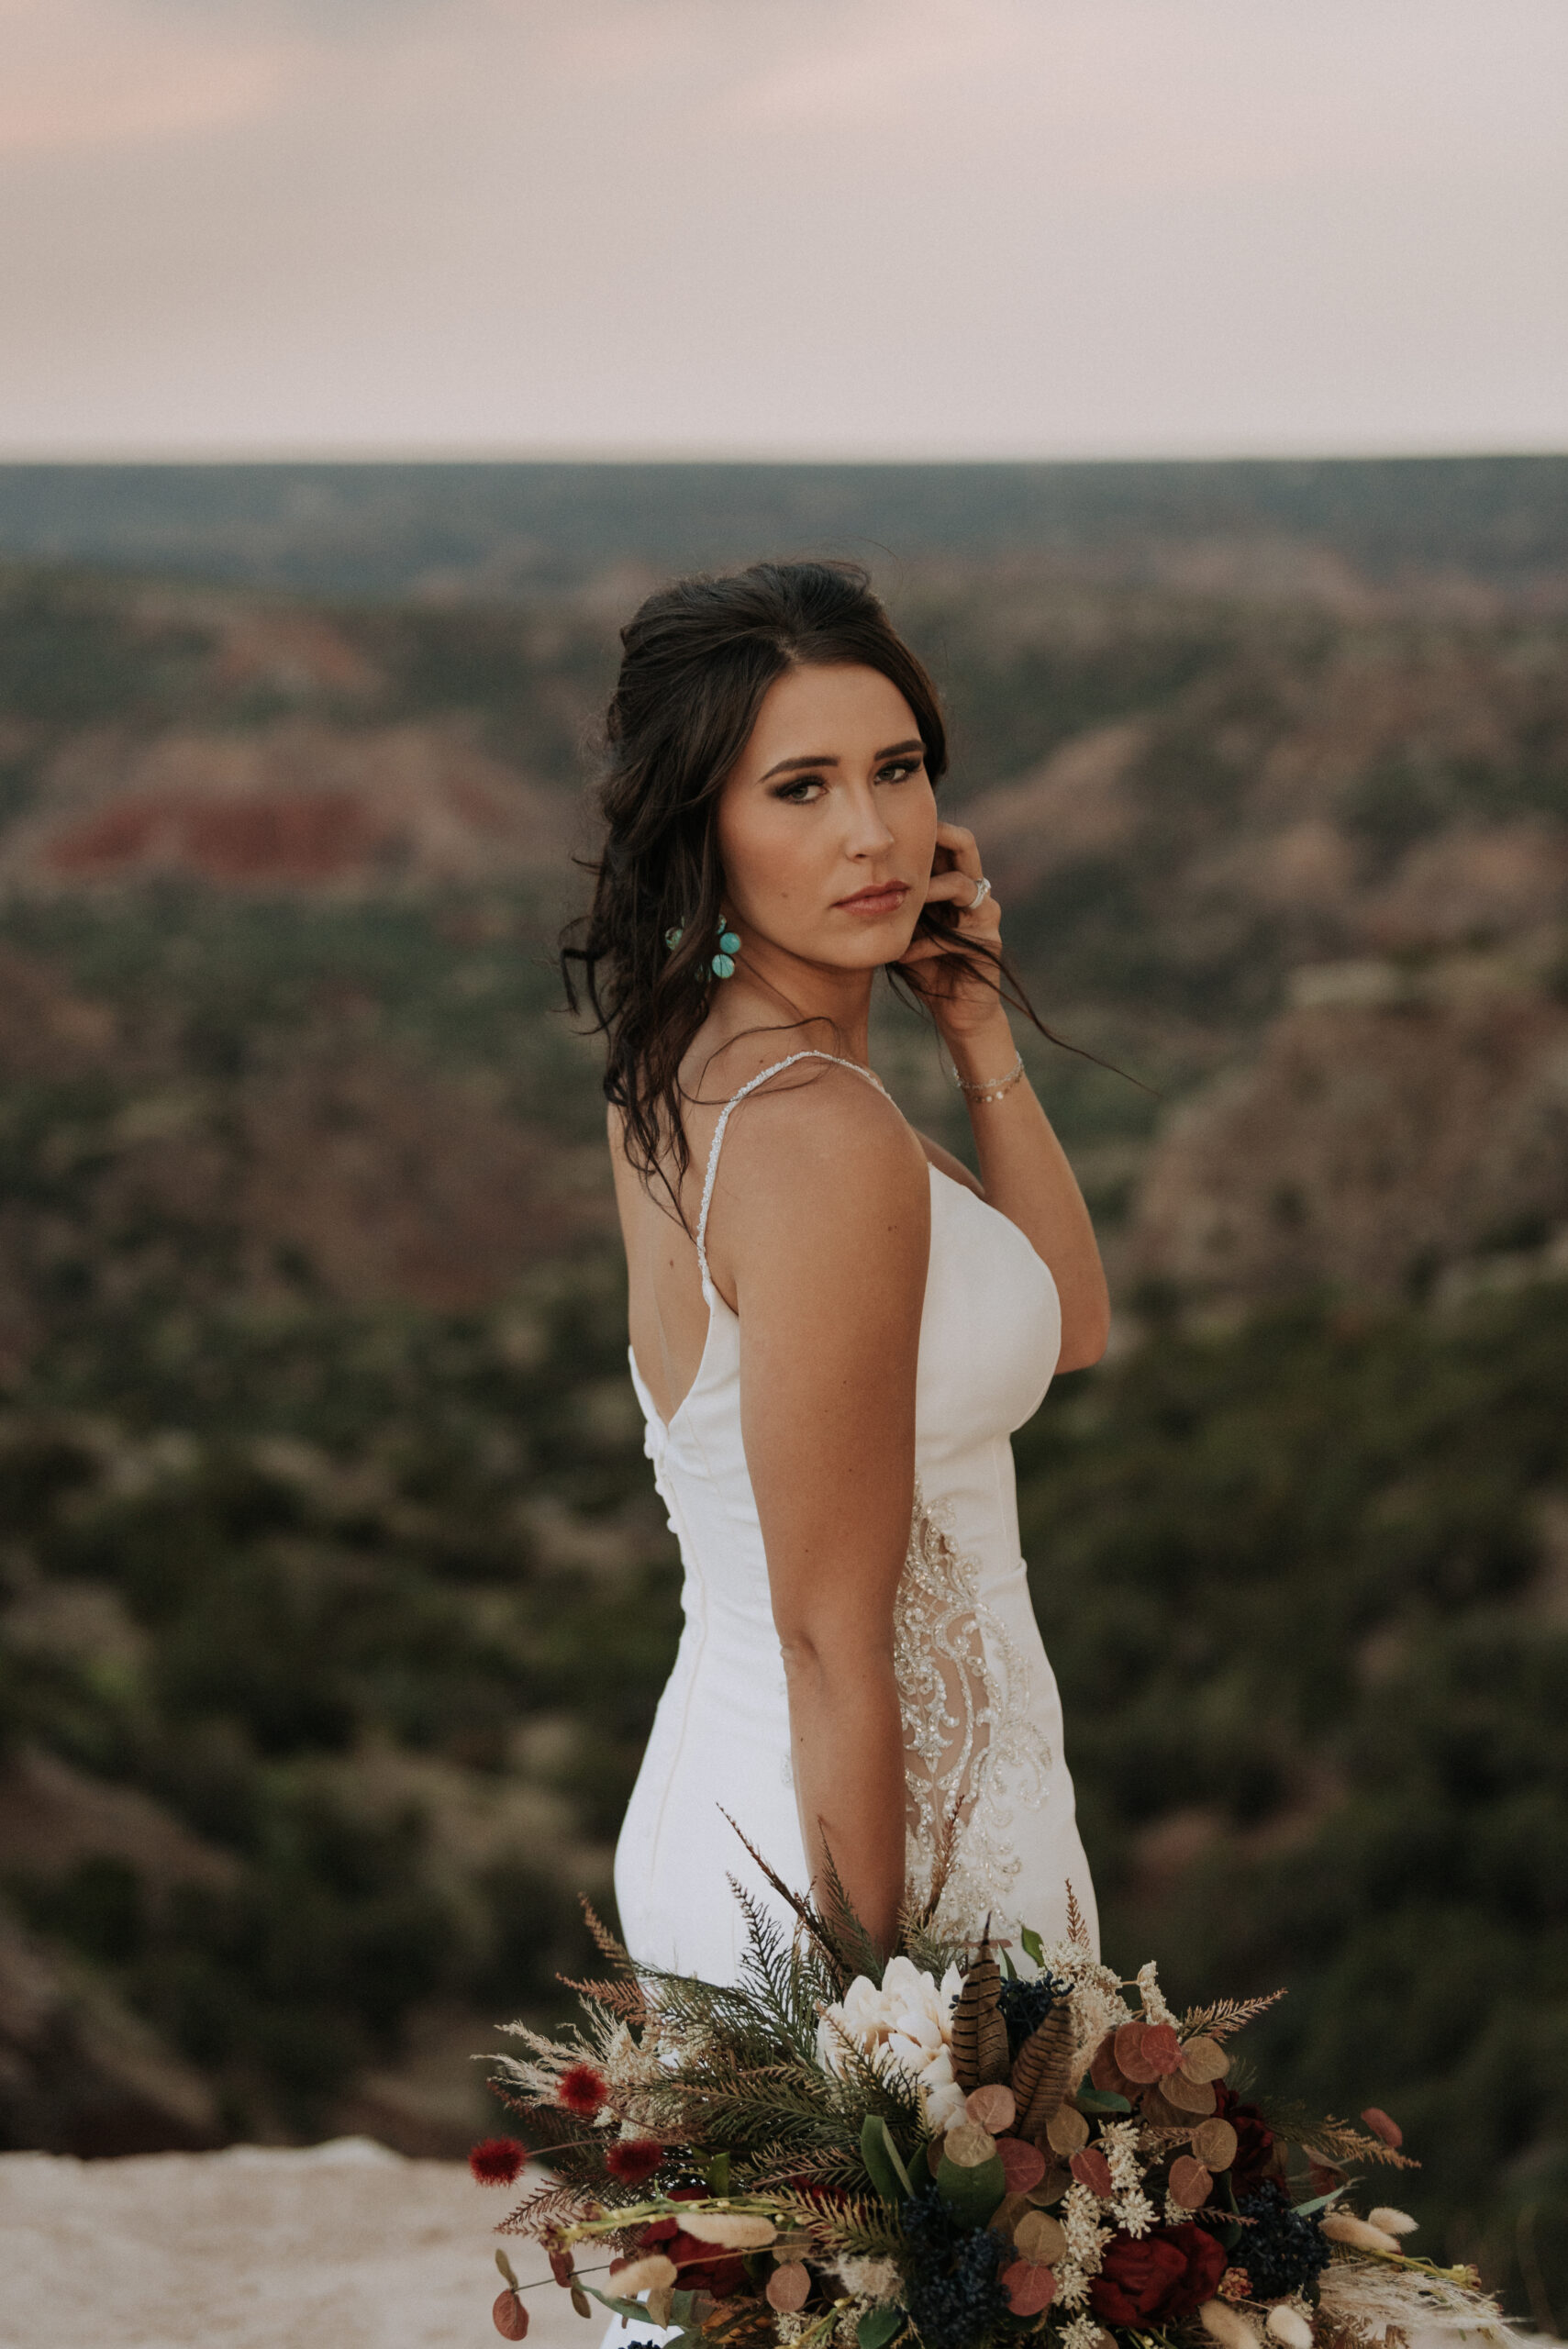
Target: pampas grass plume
column 1392, row 2223
column 643, row 2272
column 1289, row 2327
column 1357, row 2234
column 1227, row 2326
column 736, row 2229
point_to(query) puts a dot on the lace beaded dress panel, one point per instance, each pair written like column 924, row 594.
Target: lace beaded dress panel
column 982, row 1719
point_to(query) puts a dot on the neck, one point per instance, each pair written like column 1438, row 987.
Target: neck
column 772, row 988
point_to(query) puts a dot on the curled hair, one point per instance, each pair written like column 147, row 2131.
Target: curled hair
column 698, row 658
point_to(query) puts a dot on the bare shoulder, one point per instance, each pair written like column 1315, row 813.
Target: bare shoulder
column 820, row 1114
column 825, row 1165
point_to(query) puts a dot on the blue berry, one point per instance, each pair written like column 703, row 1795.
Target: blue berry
column 1025, row 2006
column 952, row 2274
column 1281, row 2251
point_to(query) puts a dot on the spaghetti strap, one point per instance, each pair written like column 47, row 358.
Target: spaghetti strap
column 718, row 1142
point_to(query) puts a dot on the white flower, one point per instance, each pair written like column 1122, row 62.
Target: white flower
column 906, row 2027
column 1119, row 2143
column 1071, row 2287
column 1153, row 1998
column 1080, row 2217
column 1135, row 2212
column 870, row 2279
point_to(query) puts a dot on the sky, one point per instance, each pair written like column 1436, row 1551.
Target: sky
column 828, row 229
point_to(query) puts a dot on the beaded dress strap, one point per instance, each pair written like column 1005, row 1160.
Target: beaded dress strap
column 718, row 1142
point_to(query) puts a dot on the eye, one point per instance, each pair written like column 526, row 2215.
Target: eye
column 899, row 770
column 800, row 790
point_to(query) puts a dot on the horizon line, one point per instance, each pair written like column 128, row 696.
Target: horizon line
column 480, row 453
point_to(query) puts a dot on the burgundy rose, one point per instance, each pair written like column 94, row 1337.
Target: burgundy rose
column 1254, row 2140
column 1157, row 2277
column 714, row 2270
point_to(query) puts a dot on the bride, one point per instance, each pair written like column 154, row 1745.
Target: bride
column 834, row 1327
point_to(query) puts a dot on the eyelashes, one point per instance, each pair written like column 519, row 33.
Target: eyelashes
column 795, row 792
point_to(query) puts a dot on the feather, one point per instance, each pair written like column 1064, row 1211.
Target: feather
column 980, row 2054
column 1040, row 2075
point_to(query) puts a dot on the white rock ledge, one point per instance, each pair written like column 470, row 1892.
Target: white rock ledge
column 343, row 2246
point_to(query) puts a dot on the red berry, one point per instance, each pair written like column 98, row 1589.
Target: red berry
column 631, row 2159
column 496, row 2161
column 582, row 2089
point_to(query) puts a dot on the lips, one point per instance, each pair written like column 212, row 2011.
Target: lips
column 881, row 897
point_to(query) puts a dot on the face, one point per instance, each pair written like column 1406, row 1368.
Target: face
column 828, row 825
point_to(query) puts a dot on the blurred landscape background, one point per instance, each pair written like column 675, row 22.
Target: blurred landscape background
column 336, row 1597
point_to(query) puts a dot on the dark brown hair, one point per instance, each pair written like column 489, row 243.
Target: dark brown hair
column 698, row 658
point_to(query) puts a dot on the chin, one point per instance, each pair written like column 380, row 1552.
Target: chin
column 867, row 954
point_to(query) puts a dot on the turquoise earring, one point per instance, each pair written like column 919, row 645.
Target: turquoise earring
column 723, row 963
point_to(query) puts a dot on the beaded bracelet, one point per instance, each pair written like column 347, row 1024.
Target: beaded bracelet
column 995, row 1087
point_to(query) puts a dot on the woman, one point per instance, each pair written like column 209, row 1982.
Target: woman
column 834, row 1327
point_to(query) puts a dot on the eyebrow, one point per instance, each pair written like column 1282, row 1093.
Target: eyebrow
column 831, row 759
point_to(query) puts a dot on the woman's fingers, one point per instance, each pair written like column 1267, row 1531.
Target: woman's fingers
column 957, row 884
column 960, row 843
column 958, row 889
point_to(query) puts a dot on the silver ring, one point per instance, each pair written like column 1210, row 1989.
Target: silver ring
column 981, row 894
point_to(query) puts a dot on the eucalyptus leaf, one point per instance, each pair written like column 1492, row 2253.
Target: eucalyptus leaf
column 880, row 2154
column 1101, row 2100
column 1311, row 2209
column 1033, row 1946
column 973, row 2194
column 504, row 2265
column 879, row 2326
column 718, row 2174
column 635, row 2309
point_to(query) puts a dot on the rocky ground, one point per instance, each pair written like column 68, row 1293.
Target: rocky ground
column 256, row 2248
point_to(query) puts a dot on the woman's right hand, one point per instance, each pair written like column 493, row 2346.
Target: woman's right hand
column 961, row 994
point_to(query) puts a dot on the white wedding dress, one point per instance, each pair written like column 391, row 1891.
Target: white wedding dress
column 982, row 1719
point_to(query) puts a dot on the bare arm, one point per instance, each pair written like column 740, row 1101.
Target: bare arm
column 1024, row 1173
column 1023, row 1168
column 823, row 1228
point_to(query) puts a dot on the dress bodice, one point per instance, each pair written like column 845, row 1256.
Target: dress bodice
column 980, row 1717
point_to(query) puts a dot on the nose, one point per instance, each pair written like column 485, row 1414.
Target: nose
column 868, row 832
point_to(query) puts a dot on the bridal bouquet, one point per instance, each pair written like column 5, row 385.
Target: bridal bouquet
column 946, row 2150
